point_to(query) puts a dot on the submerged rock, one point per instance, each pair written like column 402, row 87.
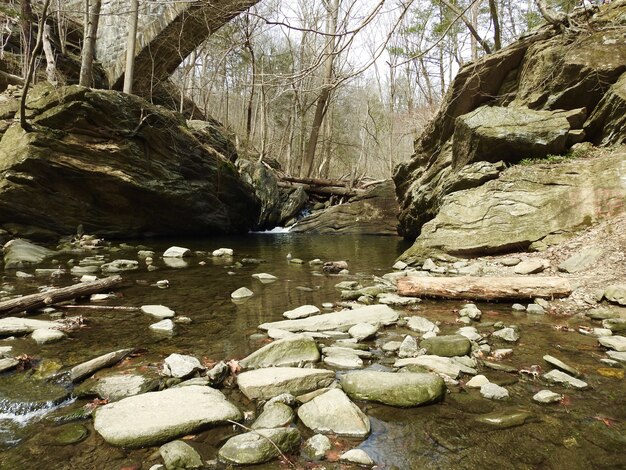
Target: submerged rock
column 157, row 417
column 259, row 446
column 334, row 413
column 504, row 419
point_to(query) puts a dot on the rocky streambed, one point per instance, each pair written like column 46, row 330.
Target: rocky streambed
column 278, row 355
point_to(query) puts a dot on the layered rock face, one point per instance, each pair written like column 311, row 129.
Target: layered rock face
column 119, row 166
column 537, row 97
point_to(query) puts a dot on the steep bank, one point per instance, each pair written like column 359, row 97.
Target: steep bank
column 119, row 166
column 535, row 98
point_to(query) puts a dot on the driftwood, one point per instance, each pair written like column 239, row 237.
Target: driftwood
column 99, row 307
column 326, row 190
column 44, row 299
column 485, row 288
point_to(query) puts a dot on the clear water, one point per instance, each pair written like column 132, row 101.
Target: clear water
column 587, row 431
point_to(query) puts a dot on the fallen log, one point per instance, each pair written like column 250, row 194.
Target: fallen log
column 485, row 288
column 316, row 181
column 99, row 307
column 326, row 190
column 45, row 299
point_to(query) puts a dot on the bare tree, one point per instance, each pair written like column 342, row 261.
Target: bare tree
column 92, row 18
column 129, row 72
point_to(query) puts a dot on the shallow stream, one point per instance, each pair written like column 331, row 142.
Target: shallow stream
column 586, row 430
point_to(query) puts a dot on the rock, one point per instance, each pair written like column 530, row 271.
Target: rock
column 275, row 415
column 400, row 265
column 617, row 343
column 470, row 311
column 45, row 336
column 561, row 377
column 493, row 391
column 265, row 278
column 290, row 351
column 179, row 455
column 606, row 122
column 363, row 331
column 618, row 356
column 241, row 293
column 156, row 417
column 267, row 383
column 301, row 312
column 616, row 325
column 315, row 447
column 220, row 252
column 408, row 347
column 357, row 456
column 70, row 434
column 447, row 346
column 510, row 261
column 116, row 387
column 164, row 326
column 85, row 369
column 19, row 253
column 348, row 285
column 440, row 365
column 581, row 260
column 334, row 413
column 561, row 365
column 158, row 311
column 343, row 360
column 429, row 265
column 181, row 366
column 397, row 300
column 259, row 446
column 601, row 313
column 284, row 398
column 547, row 396
column 421, row 325
column 504, row 419
column 518, row 308
column 534, row 309
column 275, row 333
column 506, row 334
column 374, row 213
column 345, row 349
column 8, row 363
column 18, row 326
column 404, row 390
column 380, row 314
column 119, row 266
column 531, row 266
column 470, row 333
column 477, row 381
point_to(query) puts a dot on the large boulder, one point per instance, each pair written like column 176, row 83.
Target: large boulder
column 289, row 351
column 534, row 204
column 374, row 213
column 119, row 166
column 406, row 389
column 507, row 88
column 334, row 413
column 157, row 417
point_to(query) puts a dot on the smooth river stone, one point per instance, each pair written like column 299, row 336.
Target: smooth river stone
column 270, row 382
column 334, row 413
column 259, row 446
column 157, row 417
column 289, row 351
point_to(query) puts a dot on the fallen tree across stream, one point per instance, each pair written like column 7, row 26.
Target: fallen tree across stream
column 485, row 288
column 55, row 296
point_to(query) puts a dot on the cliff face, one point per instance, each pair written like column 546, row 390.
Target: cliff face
column 119, row 166
column 537, row 97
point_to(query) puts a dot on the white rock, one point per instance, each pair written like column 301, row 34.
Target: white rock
column 439, row 365
column 222, row 252
column 23, row 275
column 176, row 252
column 45, row 336
column 158, row 311
column 166, row 326
column 493, row 391
column 275, row 333
column 408, row 347
column 265, row 278
column 561, row 377
column 272, row 381
column 392, row 346
column 345, row 360
column 357, row 456
column 429, row 265
column 618, row 356
column 397, row 300
column 100, row 297
column 617, row 343
column 421, row 325
column 547, row 396
column 429, row 334
column 400, row 265
column 333, row 412
column 470, row 333
column 181, row 366
column 171, row 262
column 120, row 265
column 531, row 266
column 88, row 278
column 241, row 293
column 363, row 331
column 507, row 334
column 477, row 381
column 303, row 311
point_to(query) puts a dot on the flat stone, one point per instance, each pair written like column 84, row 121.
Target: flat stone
column 547, row 396
column 380, row 314
column 156, row 417
column 617, row 343
column 429, row 265
column 421, row 325
column 301, row 312
column 363, row 331
column 177, row 252
column 440, row 365
column 45, row 336
column 581, row 260
column 289, row 351
column 334, row 413
column 241, row 293
column 269, row 382
column 561, row 377
column 470, row 333
column 275, row 415
column 117, row 387
column 511, row 261
column 357, row 456
column 447, row 346
column 181, row 366
column 506, row 334
column 178, row 455
column 494, row 392
column 531, row 266
column 265, row 278
column 602, row 314
column 164, row 326
column 477, row 381
column 8, row 363
column 18, row 326
column 344, row 360
column 504, row 419
column 397, row 300
column 259, row 446
column 330, row 350
column 158, row 311
column 561, row 365
column 616, row 294
column 85, row 369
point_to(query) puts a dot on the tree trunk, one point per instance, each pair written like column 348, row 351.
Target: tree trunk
column 468, row 23
column 89, row 43
column 485, row 288
column 129, row 72
column 27, row 19
column 50, row 62
column 495, row 19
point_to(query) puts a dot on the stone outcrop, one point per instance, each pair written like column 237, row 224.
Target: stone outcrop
column 374, row 213
column 118, row 165
column 538, row 96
